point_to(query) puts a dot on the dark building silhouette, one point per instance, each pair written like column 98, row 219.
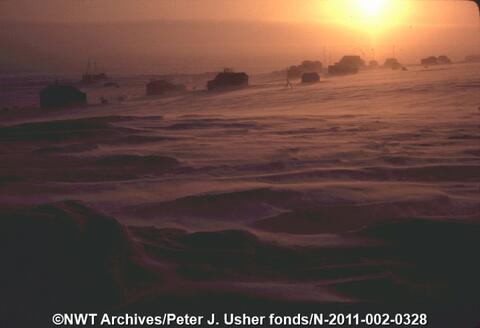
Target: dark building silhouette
column 442, row 59
column 432, row 60
column 58, row 96
column 160, row 87
column 311, row 77
column 338, row 69
column 228, row 79
column 392, row 63
column 347, row 65
column 354, row 61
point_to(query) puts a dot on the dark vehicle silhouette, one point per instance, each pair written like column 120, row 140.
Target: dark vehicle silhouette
column 312, row 77
column 307, row 66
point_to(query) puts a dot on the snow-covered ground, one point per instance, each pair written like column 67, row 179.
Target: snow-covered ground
column 295, row 176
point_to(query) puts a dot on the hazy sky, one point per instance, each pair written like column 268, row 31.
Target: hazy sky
column 433, row 12
column 164, row 35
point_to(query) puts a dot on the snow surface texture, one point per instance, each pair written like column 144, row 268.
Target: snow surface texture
column 354, row 190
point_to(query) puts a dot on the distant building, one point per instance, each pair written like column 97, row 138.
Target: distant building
column 354, row 61
column 432, row 60
column 57, row 96
column 160, row 87
column 347, row 65
column 311, row 77
column 392, row 63
column 472, row 59
column 373, row 64
column 338, row 69
column 442, row 59
column 228, row 79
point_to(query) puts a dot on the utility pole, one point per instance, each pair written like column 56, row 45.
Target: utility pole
column 324, row 55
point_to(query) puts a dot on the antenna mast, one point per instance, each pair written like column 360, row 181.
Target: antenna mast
column 88, row 66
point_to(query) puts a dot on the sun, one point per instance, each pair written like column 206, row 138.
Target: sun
column 374, row 17
column 371, row 8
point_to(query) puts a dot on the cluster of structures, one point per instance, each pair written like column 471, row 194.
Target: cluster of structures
column 56, row 95
column 432, row 60
column 228, row 79
column 60, row 96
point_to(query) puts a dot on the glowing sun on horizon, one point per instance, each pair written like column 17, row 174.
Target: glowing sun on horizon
column 372, row 16
column 371, row 8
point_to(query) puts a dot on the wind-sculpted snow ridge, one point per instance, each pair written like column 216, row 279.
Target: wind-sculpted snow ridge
column 64, row 257
column 87, row 261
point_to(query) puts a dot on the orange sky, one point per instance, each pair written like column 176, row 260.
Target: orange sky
column 246, row 33
column 429, row 12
